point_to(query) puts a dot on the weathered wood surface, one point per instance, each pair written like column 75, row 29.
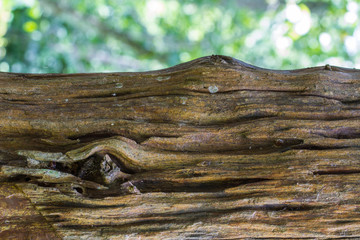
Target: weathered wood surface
column 209, row 149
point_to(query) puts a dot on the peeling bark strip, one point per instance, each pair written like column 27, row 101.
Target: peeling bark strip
column 212, row 148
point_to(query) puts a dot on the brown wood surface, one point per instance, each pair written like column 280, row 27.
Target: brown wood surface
column 209, row 149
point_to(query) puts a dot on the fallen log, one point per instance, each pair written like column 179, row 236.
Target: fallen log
column 212, row 148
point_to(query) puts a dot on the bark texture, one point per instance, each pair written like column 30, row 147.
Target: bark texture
column 209, row 149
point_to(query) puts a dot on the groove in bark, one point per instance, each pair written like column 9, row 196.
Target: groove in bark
column 212, row 148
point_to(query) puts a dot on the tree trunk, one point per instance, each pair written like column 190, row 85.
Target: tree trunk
column 212, row 148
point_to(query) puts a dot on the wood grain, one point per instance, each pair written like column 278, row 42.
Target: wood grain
column 209, row 149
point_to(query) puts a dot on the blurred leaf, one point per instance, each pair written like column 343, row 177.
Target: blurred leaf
column 30, row 26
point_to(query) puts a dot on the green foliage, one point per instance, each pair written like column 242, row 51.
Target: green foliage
column 109, row 35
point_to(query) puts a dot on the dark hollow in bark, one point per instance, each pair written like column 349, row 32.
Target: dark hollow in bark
column 212, row 148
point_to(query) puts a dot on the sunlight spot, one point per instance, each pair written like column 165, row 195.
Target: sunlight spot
column 352, row 7
column 299, row 17
column 283, row 43
column 4, row 67
column 293, row 13
column 155, row 7
column 104, row 11
column 304, row 25
column 195, row 35
column 350, row 17
column 325, row 41
column 351, row 45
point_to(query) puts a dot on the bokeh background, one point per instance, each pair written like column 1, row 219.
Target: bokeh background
column 69, row 36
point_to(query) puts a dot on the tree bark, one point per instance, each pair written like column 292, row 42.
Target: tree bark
column 212, row 148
